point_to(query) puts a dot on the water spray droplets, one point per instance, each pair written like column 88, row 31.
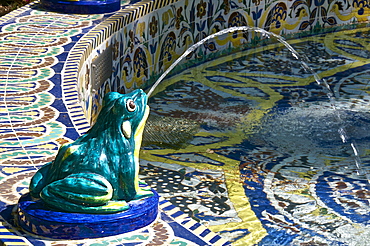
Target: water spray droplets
column 343, row 135
column 265, row 35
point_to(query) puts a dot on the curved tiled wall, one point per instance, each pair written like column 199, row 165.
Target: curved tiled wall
column 145, row 38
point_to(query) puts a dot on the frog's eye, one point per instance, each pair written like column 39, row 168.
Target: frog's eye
column 130, row 105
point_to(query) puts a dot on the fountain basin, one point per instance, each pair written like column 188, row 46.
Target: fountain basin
column 82, row 7
column 35, row 217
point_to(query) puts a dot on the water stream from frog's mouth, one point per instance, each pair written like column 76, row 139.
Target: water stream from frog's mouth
column 303, row 60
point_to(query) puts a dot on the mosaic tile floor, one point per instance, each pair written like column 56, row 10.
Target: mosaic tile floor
column 250, row 190
column 34, row 123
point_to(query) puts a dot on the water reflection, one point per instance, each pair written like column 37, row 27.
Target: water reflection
column 270, row 127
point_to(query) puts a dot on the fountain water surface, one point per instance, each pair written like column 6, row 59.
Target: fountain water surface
column 269, row 121
column 301, row 59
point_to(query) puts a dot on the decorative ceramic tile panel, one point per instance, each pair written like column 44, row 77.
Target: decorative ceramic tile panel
column 148, row 41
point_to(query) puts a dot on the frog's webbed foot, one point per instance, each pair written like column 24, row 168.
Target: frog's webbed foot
column 82, row 193
column 144, row 190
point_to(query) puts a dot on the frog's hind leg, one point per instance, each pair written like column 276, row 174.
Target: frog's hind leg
column 82, row 193
column 39, row 180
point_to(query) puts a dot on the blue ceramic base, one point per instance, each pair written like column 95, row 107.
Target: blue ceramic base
column 35, row 217
column 82, row 6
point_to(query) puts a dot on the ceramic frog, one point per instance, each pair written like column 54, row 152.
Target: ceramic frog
column 98, row 173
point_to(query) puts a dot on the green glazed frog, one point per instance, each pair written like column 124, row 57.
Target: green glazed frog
column 98, row 173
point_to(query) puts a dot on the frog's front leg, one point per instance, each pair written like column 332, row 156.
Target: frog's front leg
column 84, row 193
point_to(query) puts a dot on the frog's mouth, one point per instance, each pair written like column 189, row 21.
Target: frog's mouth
column 140, row 127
